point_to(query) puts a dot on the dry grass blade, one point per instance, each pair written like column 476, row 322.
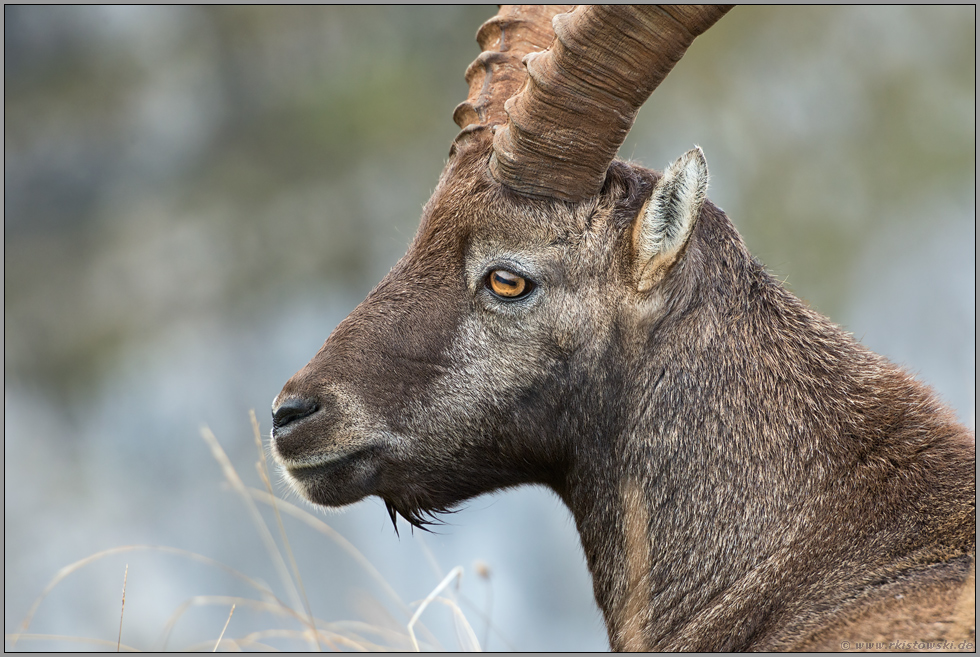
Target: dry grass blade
column 455, row 573
column 122, row 610
column 334, row 641
column 81, row 563
column 224, row 629
column 464, row 631
column 263, row 470
column 348, row 635
column 484, row 572
column 396, row 640
column 331, row 533
column 315, row 523
column 239, row 486
column 200, row 600
column 101, row 643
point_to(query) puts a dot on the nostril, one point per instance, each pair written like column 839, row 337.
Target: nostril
column 291, row 410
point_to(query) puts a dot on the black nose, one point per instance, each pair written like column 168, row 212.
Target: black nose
column 291, row 410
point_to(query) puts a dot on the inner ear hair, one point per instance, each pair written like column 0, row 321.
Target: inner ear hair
column 664, row 224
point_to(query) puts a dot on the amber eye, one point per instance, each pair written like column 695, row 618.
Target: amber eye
column 507, row 285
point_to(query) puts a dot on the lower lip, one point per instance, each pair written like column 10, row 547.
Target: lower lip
column 325, row 466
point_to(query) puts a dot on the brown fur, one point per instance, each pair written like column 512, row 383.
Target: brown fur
column 742, row 473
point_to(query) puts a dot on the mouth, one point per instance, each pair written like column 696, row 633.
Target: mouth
column 335, row 479
column 323, row 465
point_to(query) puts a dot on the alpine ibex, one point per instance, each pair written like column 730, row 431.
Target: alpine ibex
column 742, row 473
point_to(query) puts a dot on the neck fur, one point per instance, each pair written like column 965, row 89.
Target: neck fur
column 779, row 469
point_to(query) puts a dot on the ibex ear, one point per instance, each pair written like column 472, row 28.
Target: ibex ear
column 665, row 222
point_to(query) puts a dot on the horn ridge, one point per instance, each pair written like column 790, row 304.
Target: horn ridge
column 567, row 122
column 498, row 72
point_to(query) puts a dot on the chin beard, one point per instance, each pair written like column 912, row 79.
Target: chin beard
column 414, row 514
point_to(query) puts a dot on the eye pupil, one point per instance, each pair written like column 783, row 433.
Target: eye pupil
column 506, row 284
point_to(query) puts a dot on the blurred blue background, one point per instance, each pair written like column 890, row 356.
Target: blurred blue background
column 194, row 197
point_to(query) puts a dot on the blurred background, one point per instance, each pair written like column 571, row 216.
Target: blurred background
column 194, row 197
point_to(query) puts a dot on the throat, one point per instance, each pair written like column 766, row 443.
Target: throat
column 670, row 580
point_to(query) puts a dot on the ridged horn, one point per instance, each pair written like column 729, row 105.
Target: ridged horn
column 564, row 127
column 498, row 72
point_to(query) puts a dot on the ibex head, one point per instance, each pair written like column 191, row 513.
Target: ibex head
column 492, row 346
column 566, row 319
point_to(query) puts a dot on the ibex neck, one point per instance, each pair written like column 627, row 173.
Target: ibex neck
column 715, row 522
column 663, row 560
column 687, row 583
